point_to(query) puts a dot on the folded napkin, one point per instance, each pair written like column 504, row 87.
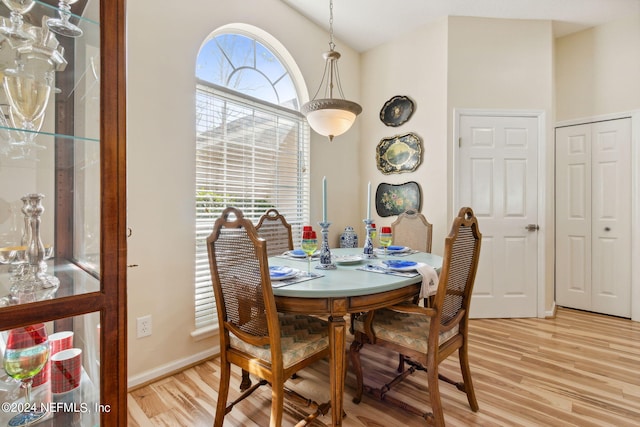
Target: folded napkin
column 429, row 280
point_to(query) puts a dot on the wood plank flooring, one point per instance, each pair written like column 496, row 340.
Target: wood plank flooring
column 579, row 369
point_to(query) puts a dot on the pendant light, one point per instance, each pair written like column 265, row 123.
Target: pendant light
column 330, row 116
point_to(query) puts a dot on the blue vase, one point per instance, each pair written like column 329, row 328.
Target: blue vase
column 349, row 239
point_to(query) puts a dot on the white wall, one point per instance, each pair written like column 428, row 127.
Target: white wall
column 598, row 70
column 414, row 65
column 460, row 62
column 597, row 75
column 162, row 45
column 507, row 65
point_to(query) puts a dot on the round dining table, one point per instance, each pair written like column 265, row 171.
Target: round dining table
column 347, row 289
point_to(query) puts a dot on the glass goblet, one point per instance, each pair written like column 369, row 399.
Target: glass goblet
column 385, row 237
column 25, row 355
column 62, row 25
column 27, row 95
column 309, row 246
column 16, row 31
column 28, row 98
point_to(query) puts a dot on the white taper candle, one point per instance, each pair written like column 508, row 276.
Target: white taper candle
column 369, row 201
column 324, row 199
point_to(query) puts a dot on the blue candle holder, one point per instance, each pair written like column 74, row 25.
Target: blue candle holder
column 368, row 244
column 325, row 253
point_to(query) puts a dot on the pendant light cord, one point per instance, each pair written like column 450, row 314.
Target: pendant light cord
column 332, row 45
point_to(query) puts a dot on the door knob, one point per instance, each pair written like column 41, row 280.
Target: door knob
column 532, row 227
column 607, row 229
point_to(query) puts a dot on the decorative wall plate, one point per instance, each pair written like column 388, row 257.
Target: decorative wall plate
column 393, row 199
column 396, row 111
column 399, row 154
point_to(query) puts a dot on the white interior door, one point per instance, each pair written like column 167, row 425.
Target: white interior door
column 593, row 217
column 573, row 216
column 497, row 178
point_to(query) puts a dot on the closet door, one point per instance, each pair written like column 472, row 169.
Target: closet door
column 593, row 221
column 573, row 216
column 611, row 217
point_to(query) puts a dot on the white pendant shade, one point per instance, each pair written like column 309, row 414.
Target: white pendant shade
column 331, row 117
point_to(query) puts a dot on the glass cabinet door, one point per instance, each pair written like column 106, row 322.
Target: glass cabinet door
column 49, row 146
column 62, row 211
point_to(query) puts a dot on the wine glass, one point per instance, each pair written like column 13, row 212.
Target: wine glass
column 62, row 25
column 28, row 98
column 309, row 246
column 25, row 355
column 386, row 237
column 15, row 30
column 26, row 143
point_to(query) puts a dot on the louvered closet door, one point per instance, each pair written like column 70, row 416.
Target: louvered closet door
column 593, row 217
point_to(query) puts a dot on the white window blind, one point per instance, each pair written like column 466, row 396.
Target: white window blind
column 249, row 154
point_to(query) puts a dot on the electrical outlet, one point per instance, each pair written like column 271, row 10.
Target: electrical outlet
column 144, row 326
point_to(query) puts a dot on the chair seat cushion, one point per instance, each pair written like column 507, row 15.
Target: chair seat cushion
column 405, row 329
column 301, row 336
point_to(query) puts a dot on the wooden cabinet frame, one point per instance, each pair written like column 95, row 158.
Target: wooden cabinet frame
column 110, row 301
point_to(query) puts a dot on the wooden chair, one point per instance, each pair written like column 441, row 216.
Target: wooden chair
column 253, row 335
column 412, row 229
column 427, row 336
column 274, row 228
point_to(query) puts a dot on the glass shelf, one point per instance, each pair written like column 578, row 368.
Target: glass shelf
column 73, row 281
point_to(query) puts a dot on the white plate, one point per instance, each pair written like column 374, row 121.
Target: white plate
column 348, row 259
column 402, row 265
column 296, row 253
column 279, row 272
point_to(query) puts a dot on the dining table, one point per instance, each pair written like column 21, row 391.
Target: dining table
column 356, row 285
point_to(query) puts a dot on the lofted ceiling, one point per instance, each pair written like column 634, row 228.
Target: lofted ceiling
column 364, row 24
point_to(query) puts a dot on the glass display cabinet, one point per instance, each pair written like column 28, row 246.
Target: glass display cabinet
column 62, row 213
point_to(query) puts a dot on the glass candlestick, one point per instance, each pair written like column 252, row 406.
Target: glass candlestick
column 325, row 254
column 34, row 279
column 368, row 243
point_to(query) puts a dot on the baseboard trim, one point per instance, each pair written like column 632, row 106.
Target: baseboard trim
column 551, row 314
column 169, row 369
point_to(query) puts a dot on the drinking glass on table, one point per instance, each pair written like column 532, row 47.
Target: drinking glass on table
column 385, row 237
column 309, row 246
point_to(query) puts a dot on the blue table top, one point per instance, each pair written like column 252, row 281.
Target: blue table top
column 346, row 280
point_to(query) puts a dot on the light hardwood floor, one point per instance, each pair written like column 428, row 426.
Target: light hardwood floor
column 579, row 369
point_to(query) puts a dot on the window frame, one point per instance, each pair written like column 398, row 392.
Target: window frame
column 205, row 315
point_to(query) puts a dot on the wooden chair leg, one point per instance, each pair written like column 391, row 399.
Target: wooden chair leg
column 223, row 393
column 354, row 353
column 400, row 363
column 434, row 397
column 245, row 383
column 466, row 377
column 277, row 402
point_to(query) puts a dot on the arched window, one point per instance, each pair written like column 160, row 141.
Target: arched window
column 252, row 144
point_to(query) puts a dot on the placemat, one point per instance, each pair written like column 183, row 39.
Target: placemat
column 297, row 279
column 384, row 270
